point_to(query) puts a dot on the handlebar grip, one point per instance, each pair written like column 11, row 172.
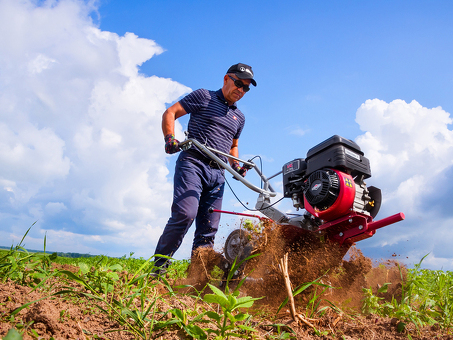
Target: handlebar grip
column 185, row 145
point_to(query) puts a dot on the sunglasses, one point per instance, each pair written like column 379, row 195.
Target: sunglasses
column 240, row 84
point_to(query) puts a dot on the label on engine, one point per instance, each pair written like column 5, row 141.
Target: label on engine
column 352, row 154
column 348, row 182
column 316, row 187
column 291, row 166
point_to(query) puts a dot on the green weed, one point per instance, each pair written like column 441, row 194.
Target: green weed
column 427, row 299
column 228, row 322
column 23, row 267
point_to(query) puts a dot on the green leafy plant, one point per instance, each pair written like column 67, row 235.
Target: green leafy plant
column 426, row 299
column 13, row 335
column 103, row 276
column 371, row 302
column 181, row 319
column 228, row 322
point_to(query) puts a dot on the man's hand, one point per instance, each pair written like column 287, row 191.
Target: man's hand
column 171, row 144
column 240, row 170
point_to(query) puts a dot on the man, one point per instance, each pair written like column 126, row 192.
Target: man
column 215, row 121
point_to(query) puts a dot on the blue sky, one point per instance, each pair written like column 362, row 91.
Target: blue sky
column 83, row 86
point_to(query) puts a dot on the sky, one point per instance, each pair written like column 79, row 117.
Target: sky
column 83, row 85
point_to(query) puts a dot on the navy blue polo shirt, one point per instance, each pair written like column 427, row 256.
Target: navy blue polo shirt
column 212, row 121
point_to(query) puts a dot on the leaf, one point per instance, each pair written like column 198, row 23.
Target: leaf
column 13, row 335
column 230, row 317
column 246, row 301
column 400, row 327
column 84, row 268
column 241, row 316
column 75, row 278
column 232, row 301
column 72, row 291
column 38, row 275
column 196, row 332
column 384, row 288
column 217, row 291
column 179, row 314
column 233, row 334
column 113, row 275
column 211, row 298
column 116, row 267
column 133, row 281
column 214, row 316
column 305, row 286
column 247, row 328
column 214, row 331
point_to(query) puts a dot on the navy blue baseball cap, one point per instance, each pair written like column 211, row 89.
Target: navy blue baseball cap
column 242, row 71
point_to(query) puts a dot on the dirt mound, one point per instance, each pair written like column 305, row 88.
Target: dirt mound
column 202, row 263
column 60, row 318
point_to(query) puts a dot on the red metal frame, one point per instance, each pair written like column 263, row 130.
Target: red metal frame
column 351, row 228
column 240, row 214
column 356, row 227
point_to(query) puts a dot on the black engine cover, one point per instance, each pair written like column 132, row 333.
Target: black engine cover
column 338, row 153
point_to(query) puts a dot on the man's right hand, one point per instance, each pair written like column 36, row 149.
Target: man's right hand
column 240, row 170
column 171, row 144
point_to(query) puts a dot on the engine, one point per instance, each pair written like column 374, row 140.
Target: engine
column 330, row 182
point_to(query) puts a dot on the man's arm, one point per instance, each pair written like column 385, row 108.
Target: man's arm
column 168, row 127
column 234, row 151
column 169, row 117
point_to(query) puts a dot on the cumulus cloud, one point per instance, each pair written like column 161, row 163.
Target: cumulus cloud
column 80, row 138
column 410, row 148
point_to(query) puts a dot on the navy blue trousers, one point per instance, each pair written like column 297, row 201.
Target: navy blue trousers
column 197, row 187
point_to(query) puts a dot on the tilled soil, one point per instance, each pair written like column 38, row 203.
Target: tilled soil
column 78, row 318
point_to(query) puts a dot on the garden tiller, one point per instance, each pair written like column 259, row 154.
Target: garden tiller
column 329, row 184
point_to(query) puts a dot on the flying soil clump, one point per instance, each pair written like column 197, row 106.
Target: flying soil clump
column 343, row 268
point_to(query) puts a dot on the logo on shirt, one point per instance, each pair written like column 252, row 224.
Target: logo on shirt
column 234, row 117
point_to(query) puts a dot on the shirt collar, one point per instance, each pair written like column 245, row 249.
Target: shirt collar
column 219, row 94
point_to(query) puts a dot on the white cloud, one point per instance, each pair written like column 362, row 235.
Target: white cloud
column 410, row 148
column 40, row 63
column 81, row 147
column 54, row 208
column 297, row 130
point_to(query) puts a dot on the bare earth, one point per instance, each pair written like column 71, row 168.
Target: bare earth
column 77, row 318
